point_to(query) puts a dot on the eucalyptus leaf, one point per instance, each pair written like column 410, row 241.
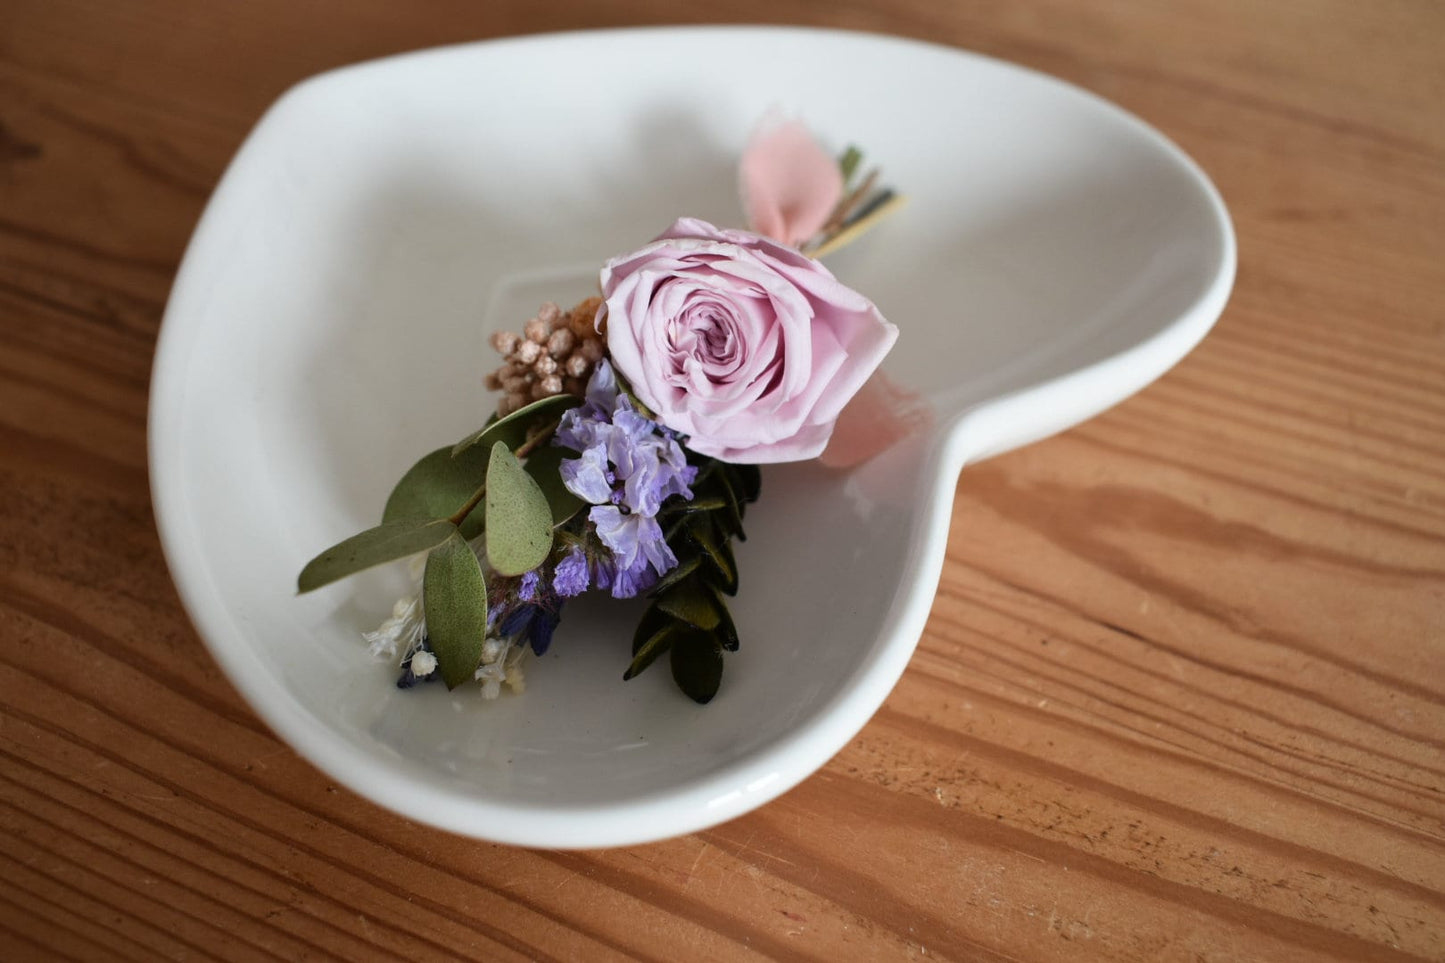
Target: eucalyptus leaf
column 385, row 543
column 691, row 602
column 697, row 665
column 519, row 520
column 454, row 594
column 513, row 428
column 437, row 486
column 545, row 467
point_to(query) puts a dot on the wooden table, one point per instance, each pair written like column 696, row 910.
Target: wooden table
column 1180, row 696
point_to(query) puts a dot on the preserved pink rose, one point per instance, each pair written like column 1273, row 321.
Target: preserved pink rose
column 746, row 346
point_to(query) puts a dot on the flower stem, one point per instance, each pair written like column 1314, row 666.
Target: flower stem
column 472, row 503
column 523, row 450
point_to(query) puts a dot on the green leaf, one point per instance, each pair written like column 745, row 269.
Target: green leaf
column 384, row 543
column 545, row 467
column 726, row 633
column 718, row 553
column 685, row 567
column 696, row 505
column 513, row 428
column 438, row 486
column 735, row 512
column 454, row 594
column 519, row 520
column 690, row 602
column 750, row 481
column 848, row 163
column 654, row 636
column 697, row 665
column 652, row 620
column 705, row 467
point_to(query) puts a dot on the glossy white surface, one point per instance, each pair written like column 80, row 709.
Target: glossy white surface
column 328, row 326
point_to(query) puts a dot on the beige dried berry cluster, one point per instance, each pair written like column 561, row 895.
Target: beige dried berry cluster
column 555, row 353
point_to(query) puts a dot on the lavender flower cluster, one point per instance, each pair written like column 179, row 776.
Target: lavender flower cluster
column 627, row 467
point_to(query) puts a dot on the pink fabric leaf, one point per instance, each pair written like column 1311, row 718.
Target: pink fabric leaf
column 789, row 183
column 880, row 416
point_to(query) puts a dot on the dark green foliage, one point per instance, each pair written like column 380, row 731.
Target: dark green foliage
column 689, row 617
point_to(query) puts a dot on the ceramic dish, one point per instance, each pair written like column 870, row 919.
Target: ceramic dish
column 329, row 325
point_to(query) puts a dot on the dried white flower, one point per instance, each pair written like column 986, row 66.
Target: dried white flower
column 401, row 633
column 423, row 664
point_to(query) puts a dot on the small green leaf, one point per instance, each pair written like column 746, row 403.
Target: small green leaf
column 685, row 567
column 545, row 467
column 718, row 553
column 652, row 620
column 438, row 486
column 750, row 481
column 726, row 560
column 696, row 505
column 697, row 665
column 690, row 602
column 735, row 512
column 726, row 633
column 454, row 594
column 384, row 543
column 705, row 467
column 654, row 645
column 848, row 163
column 519, row 520
column 513, row 428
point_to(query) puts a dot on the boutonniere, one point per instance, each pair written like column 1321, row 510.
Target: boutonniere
column 627, row 438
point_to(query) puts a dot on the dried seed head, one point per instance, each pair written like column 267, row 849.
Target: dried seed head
column 559, row 345
column 504, row 342
column 537, row 330
column 555, row 352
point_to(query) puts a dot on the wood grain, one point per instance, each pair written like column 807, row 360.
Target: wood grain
column 1180, row 696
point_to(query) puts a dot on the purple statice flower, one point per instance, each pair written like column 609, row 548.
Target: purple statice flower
column 527, row 590
column 533, row 622
column 625, row 459
column 627, row 466
column 571, row 576
column 589, row 476
column 639, row 552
